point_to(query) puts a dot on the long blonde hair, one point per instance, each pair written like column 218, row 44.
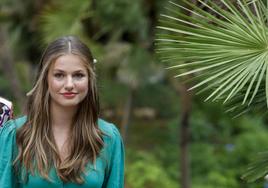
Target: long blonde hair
column 36, row 144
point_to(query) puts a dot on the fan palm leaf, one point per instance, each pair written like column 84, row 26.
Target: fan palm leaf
column 225, row 46
column 61, row 18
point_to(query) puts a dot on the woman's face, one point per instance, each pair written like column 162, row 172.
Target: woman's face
column 67, row 81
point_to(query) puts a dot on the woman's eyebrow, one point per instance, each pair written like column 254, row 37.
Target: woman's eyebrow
column 58, row 70
column 76, row 71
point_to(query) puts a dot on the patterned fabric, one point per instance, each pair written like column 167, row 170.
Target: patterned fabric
column 5, row 111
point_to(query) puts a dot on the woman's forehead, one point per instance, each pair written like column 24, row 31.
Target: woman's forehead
column 69, row 62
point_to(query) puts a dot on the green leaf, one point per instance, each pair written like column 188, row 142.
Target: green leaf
column 231, row 39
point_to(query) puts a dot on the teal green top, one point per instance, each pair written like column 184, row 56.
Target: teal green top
column 108, row 171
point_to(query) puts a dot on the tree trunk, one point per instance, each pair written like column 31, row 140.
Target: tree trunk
column 127, row 114
column 184, row 131
column 8, row 65
column 186, row 101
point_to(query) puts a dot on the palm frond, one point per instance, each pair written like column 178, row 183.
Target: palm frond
column 258, row 169
column 224, row 47
column 61, row 18
column 227, row 44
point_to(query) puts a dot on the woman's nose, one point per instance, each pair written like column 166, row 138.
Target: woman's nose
column 69, row 85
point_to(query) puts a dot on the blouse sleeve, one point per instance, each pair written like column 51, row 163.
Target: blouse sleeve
column 114, row 177
column 7, row 143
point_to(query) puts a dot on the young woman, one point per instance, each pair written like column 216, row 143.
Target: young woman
column 62, row 142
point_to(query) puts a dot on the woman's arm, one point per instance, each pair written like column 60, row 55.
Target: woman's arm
column 7, row 143
column 114, row 177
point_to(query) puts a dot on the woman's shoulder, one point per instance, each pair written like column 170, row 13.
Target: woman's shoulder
column 12, row 125
column 109, row 129
column 8, row 139
column 113, row 143
column 106, row 127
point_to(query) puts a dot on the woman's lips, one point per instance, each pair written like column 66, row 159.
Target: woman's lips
column 69, row 95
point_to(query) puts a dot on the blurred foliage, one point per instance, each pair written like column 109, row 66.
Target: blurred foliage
column 111, row 93
column 118, row 16
column 60, row 18
column 153, row 173
column 151, row 95
column 219, row 156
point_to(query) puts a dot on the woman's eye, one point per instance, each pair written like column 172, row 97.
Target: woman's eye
column 58, row 75
column 79, row 75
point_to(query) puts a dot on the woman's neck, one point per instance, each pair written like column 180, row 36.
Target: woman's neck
column 61, row 117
